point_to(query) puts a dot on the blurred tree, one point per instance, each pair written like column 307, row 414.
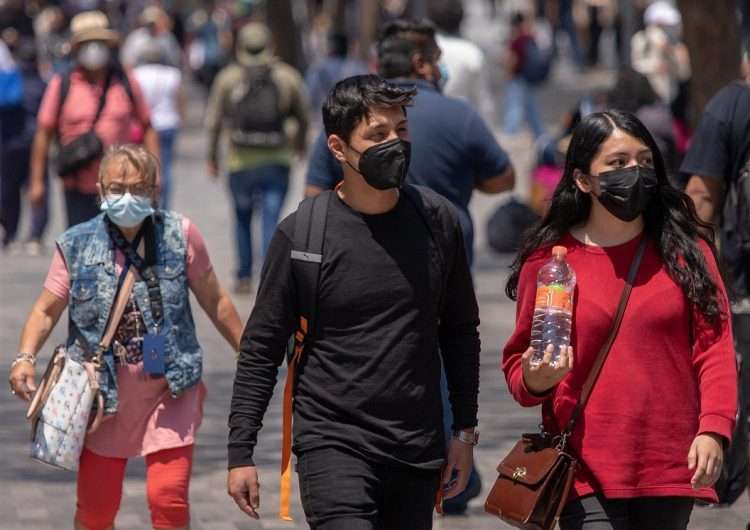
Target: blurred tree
column 712, row 36
column 369, row 21
column 286, row 32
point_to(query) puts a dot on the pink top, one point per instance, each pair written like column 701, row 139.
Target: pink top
column 113, row 126
column 148, row 419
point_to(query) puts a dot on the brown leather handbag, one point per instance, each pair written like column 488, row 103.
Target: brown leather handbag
column 535, row 478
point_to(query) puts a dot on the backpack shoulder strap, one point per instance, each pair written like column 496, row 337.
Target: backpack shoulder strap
column 307, row 257
column 428, row 205
column 125, row 80
column 64, row 89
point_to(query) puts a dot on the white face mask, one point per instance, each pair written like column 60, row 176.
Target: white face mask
column 93, row 55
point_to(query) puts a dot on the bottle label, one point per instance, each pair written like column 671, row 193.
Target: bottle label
column 553, row 296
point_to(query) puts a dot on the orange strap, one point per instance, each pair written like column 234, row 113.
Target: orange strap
column 286, row 429
column 439, row 494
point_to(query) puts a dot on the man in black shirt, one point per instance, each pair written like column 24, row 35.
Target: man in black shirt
column 393, row 301
column 718, row 152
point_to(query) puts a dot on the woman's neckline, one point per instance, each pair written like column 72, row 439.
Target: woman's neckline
column 604, row 249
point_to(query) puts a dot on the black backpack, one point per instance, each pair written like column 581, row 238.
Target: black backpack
column 255, row 115
column 735, row 221
column 537, row 63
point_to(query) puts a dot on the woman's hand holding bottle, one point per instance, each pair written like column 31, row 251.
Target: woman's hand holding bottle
column 541, row 377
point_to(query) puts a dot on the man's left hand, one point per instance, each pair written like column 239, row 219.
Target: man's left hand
column 460, row 459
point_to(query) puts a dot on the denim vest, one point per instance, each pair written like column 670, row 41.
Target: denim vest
column 89, row 256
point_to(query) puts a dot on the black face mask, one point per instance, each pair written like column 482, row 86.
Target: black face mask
column 384, row 166
column 625, row 192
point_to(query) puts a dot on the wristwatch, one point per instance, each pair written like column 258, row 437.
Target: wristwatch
column 471, row 438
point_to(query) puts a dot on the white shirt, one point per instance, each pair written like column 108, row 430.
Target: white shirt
column 160, row 85
column 465, row 63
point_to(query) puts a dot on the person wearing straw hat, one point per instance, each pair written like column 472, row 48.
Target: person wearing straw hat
column 92, row 105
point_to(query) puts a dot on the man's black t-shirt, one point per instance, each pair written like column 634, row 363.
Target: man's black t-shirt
column 370, row 382
column 719, row 149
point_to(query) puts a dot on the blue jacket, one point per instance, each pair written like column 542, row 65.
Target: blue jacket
column 89, row 255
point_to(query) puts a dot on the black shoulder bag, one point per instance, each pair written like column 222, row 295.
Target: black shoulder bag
column 81, row 151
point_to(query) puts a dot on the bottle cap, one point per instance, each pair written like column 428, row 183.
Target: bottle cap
column 559, row 251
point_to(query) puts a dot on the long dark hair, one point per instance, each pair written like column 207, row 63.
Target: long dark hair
column 670, row 219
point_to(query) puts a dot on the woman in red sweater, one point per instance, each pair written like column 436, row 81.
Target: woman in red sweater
column 650, row 438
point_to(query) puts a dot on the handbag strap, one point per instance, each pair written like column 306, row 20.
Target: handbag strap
column 588, row 386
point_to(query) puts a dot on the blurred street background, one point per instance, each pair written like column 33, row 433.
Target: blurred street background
column 34, row 497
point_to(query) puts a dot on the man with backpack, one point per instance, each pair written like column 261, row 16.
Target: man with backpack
column 716, row 175
column 374, row 279
column 252, row 100
column 528, row 66
column 88, row 109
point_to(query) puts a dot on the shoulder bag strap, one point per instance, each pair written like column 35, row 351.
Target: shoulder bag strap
column 588, row 386
column 118, row 308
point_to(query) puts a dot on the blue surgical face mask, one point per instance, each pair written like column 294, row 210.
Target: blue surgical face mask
column 126, row 210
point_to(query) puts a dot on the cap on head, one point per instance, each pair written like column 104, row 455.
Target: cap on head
column 662, row 13
column 253, row 43
column 92, row 25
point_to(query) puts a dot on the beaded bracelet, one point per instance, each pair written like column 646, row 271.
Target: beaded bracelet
column 23, row 357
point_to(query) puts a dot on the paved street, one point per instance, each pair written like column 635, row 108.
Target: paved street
column 34, row 497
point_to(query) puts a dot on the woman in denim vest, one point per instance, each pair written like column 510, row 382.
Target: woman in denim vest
column 154, row 406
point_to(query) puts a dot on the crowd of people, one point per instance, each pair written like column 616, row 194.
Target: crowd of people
column 372, row 274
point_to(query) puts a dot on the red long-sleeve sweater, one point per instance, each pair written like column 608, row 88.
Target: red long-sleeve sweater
column 670, row 374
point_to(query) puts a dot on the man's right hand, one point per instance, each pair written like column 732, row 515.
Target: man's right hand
column 36, row 194
column 243, row 487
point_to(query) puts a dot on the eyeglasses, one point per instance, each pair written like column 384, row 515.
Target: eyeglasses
column 141, row 189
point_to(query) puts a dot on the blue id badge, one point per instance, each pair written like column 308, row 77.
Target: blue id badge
column 154, row 347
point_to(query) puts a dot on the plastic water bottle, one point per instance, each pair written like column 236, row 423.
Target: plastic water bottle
column 553, row 310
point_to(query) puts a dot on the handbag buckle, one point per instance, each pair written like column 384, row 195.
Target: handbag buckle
column 519, row 473
column 562, row 441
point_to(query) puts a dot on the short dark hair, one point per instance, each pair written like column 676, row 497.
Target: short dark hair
column 518, row 18
column 351, row 100
column 338, row 44
column 399, row 41
column 446, row 14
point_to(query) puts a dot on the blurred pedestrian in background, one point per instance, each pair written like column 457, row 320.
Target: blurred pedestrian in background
column 156, row 27
column 90, row 107
column 527, row 66
column 17, row 129
column 658, row 52
column 253, row 100
column 210, row 43
column 462, row 62
column 565, row 22
column 153, row 408
column 50, row 28
column 321, row 77
column 162, row 87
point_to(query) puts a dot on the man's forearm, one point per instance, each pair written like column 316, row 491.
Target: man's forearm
column 461, row 361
